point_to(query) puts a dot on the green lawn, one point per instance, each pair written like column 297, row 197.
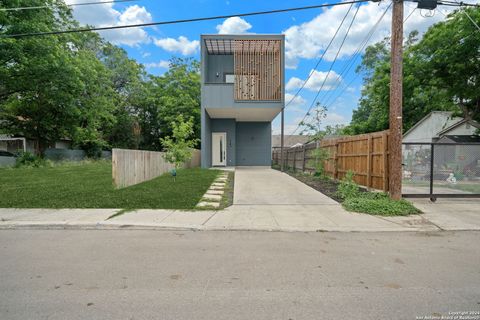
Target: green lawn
column 90, row 186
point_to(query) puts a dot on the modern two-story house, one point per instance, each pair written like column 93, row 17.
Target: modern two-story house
column 242, row 92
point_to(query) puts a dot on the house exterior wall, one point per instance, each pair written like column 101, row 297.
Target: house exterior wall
column 254, row 144
column 221, row 64
column 206, row 140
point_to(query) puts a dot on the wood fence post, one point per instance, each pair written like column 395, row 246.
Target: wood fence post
column 369, row 161
column 295, row 159
column 303, row 158
column 335, row 162
column 385, row 161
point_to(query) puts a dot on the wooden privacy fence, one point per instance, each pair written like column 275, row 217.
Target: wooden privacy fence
column 366, row 155
column 130, row 167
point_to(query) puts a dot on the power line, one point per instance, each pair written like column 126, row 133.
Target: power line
column 351, row 62
column 68, row 5
column 321, row 57
column 329, row 70
column 247, row 14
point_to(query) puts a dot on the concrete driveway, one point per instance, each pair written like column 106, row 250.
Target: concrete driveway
column 265, row 186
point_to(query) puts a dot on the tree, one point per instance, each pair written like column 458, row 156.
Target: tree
column 51, row 87
column 178, row 147
column 440, row 73
column 312, row 124
column 129, row 84
column 175, row 92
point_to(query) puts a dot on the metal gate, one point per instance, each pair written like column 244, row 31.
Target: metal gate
column 441, row 170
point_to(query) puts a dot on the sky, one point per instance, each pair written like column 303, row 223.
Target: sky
column 307, row 34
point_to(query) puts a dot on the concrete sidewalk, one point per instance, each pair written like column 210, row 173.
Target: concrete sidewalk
column 327, row 215
column 304, row 218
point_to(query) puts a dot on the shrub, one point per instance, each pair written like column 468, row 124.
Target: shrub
column 28, row 159
column 318, row 162
column 347, row 187
column 381, row 206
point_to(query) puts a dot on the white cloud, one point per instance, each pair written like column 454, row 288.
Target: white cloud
column 296, row 103
column 105, row 15
column 162, row 64
column 234, row 25
column 316, row 80
column 308, row 40
column 333, row 118
column 182, row 45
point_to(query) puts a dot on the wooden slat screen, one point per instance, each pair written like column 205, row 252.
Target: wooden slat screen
column 258, row 72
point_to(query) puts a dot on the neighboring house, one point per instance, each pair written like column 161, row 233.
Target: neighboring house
column 289, row 141
column 17, row 143
column 438, row 124
column 242, row 78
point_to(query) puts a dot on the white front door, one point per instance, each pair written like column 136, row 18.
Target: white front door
column 219, row 148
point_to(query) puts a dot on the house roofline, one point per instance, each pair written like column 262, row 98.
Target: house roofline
column 423, row 119
column 453, row 126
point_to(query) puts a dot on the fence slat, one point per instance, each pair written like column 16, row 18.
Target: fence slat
column 130, row 167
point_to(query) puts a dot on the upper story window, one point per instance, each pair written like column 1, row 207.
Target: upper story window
column 229, row 78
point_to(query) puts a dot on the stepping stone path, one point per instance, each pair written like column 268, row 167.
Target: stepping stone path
column 213, row 196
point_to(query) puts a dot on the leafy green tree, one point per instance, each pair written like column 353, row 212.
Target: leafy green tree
column 175, row 92
column 51, row 87
column 440, row 73
column 129, row 84
column 178, row 147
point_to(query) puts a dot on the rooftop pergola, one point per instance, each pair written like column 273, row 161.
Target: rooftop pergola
column 228, row 46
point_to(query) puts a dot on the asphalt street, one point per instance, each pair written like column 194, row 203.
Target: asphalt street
column 151, row 274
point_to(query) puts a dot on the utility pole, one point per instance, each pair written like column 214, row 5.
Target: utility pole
column 281, row 140
column 396, row 92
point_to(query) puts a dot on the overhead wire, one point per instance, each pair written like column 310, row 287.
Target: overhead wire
column 329, row 70
column 321, row 58
column 149, row 24
column 351, row 62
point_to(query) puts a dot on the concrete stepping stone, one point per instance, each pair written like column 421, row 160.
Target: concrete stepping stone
column 220, row 192
column 218, row 184
column 217, row 187
column 212, row 197
column 206, row 204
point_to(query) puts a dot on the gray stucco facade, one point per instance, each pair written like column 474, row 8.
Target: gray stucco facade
column 245, row 124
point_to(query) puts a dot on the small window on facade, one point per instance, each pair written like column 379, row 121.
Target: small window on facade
column 229, row 78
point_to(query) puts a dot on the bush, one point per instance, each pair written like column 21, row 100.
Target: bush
column 380, row 206
column 28, row 159
column 347, row 187
column 376, row 203
column 318, row 161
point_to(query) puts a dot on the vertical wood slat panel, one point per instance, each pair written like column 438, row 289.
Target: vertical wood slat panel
column 130, row 167
column 257, row 69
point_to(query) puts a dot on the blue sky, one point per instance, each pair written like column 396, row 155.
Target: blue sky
column 307, row 35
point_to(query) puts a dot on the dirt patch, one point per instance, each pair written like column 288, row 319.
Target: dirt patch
column 326, row 186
